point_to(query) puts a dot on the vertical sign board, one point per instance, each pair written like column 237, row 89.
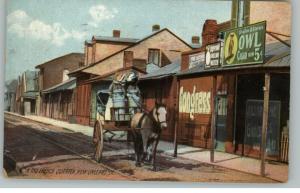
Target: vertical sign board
column 213, row 53
column 253, row 124
column 245, row 45
column 196, row 59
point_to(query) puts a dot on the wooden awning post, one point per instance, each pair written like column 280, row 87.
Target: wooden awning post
column 176, row 118
column 213, row 120
column 265, row 123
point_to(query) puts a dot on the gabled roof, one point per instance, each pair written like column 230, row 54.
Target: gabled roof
column 67, row 55
column 135, row 44
column 277, row 55
column 115, row 39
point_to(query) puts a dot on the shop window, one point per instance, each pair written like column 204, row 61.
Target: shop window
column 154, row 56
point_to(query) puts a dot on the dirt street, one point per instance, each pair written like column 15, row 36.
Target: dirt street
column 36, row 150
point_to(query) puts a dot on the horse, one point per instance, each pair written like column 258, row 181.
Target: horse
column 146, row 131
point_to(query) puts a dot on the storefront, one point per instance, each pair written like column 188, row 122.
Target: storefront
column 225, row 104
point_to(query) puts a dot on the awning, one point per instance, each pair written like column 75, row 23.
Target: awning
column 277, row 55
column 67, row 85
column 163, row 72
column 30, row 95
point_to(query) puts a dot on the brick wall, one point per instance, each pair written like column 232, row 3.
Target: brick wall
column 51, row 73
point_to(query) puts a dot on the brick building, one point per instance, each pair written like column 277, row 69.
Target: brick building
column 160, row 48
column 56, row 89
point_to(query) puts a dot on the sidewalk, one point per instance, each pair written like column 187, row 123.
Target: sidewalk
column 274, row 170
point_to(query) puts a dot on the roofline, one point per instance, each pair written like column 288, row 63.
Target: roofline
column 194, row 51
column 72, row 53
column 230, row 70
column 116, row 41
column 48, row 90
column 240, row 67
column 158, row 77
column 99, row 77
column 135, row 44
column 179, row 38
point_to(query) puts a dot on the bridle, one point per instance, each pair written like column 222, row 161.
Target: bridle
column 158, row 121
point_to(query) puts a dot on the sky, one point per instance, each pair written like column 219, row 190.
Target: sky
column 40, row 30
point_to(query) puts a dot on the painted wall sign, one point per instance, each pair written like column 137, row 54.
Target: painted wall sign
column 195, row 102
column 196, row 59
column 213, row 53
column 245, row 45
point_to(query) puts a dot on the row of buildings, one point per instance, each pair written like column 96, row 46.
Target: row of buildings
column 201, row 93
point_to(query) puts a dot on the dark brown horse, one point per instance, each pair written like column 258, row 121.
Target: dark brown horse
column 146, row 133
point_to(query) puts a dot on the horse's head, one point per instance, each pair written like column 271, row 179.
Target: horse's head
column 160, row 115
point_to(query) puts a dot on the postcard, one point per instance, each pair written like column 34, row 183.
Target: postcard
column 146, row 90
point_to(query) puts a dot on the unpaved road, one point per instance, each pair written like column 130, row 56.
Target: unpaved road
column 35, row 150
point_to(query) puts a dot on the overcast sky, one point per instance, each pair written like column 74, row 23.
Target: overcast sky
column 40, row 30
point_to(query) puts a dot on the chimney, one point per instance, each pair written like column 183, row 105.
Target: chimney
column 209, row 32
column 155, row 28
column 116, row 33
column 195, row 40
column 128, row 58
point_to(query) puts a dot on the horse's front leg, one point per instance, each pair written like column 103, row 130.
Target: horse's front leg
column 136, row 149
column 139, row 149
column 137, row 156
column 155, row 143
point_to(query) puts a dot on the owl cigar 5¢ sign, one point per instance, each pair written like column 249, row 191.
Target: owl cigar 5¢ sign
column 245, row 45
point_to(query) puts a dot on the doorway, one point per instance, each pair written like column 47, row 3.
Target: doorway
column 221, row 119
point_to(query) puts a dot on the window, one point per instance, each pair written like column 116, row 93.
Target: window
column 154, row 56
column 65, row 75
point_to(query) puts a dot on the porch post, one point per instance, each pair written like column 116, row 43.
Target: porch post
column 176, row 117
column 213, row 122
column 265, row 123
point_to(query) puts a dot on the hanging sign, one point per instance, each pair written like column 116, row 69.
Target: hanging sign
column 213, row 53
column 196, row 59
column 245, row 45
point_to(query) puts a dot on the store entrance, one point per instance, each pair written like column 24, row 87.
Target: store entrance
column 249, row 113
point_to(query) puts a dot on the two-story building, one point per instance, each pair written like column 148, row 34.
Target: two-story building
column 162, row 47
column 56, row 88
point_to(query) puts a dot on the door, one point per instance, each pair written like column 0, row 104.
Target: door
column 221, row 117
column 253, row 125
